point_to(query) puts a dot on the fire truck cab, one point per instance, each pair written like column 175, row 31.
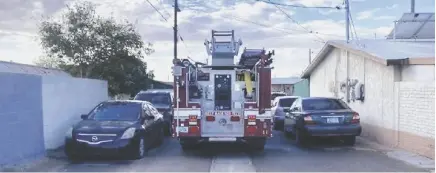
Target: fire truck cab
column 223, row 101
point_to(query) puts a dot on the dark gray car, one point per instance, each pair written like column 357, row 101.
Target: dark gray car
column 162, row 100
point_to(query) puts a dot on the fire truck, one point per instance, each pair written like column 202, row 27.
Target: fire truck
column 223, row 101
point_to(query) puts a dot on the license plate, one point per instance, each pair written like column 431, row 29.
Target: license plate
column 222, row 139
column 332, row 120
column 182, row 129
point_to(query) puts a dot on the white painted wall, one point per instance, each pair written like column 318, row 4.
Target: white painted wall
column 421, row 73
column 396, row 99
column 64, row 100
column 378, row 107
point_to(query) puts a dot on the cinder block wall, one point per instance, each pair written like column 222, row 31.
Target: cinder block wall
column 416, row 117
column 21, row 130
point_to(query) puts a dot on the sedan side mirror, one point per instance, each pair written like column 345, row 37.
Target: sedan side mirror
column 84, row 116
column 151, row 117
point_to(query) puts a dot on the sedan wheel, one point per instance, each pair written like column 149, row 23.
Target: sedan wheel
column 301, row 139
column 139, row 149
column 160, row 137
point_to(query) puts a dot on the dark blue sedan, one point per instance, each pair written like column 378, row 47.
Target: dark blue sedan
column 322, row 117
column 116, row 128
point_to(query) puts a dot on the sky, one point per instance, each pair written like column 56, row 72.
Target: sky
column 257, row 24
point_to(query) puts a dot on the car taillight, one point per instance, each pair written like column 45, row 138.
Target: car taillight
column 210, row 118
column 234, row 118
column 356, row 118
column 192, row 120
column 251, row 120
column 308, row 119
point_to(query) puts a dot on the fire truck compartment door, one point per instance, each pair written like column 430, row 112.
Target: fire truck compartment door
column 223, row 126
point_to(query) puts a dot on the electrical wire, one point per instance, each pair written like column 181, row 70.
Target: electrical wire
column 299, row 6
column 296, row 22
column 178, row 33
column 354, row 28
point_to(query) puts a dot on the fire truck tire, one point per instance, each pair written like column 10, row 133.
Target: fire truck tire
column 258, row 144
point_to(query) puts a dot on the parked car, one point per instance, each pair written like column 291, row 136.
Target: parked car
column 116, row 128
column 276, row 94
column 279, row 108
column 322, row 117
column 162, row 100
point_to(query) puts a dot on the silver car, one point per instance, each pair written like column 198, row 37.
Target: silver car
column 280, row 105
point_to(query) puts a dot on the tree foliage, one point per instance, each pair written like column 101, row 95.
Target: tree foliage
column 90, row 46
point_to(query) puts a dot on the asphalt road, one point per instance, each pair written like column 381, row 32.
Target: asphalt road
column 280, row 155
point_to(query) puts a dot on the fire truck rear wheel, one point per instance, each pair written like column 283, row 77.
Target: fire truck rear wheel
column 257, row 144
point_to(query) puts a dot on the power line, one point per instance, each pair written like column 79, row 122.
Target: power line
column 155, row 9
column 300, row 6
column 179, row 35
column 267, row 26
column 296, row 22
column 354, row 28
column 285, row 30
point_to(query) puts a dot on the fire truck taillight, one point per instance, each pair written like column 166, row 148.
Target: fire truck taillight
column 210, row 118
column 235, row 118
column 251, row 129
column 251, row 120
column 192, row 120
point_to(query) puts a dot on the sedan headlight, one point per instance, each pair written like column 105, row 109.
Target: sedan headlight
column 69, row 133
column 129, row 133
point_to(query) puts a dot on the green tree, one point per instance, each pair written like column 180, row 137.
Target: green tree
column 90, row 46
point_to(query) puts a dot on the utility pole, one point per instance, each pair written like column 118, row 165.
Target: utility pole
column 176, row 9
column 412, row 6
column 347, row 20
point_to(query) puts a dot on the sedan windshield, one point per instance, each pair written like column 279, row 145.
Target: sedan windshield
column 286, row 102
column 116, row 112
column 323, row 104
column 154, row 98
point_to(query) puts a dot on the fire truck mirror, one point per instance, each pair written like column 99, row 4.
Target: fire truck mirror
column 177, row 71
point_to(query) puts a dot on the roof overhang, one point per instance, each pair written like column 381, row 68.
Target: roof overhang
column 329, row 46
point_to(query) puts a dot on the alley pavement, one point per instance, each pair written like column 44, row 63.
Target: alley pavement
column 280, row 155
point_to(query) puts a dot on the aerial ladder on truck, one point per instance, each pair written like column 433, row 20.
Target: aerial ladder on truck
column 222, row 101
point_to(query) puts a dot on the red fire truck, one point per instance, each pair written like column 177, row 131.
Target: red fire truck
column 223, row 101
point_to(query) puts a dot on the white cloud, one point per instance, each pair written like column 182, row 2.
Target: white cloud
column 367, row 14
column 290, row 42
column 384, row 18
column 394, row 6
